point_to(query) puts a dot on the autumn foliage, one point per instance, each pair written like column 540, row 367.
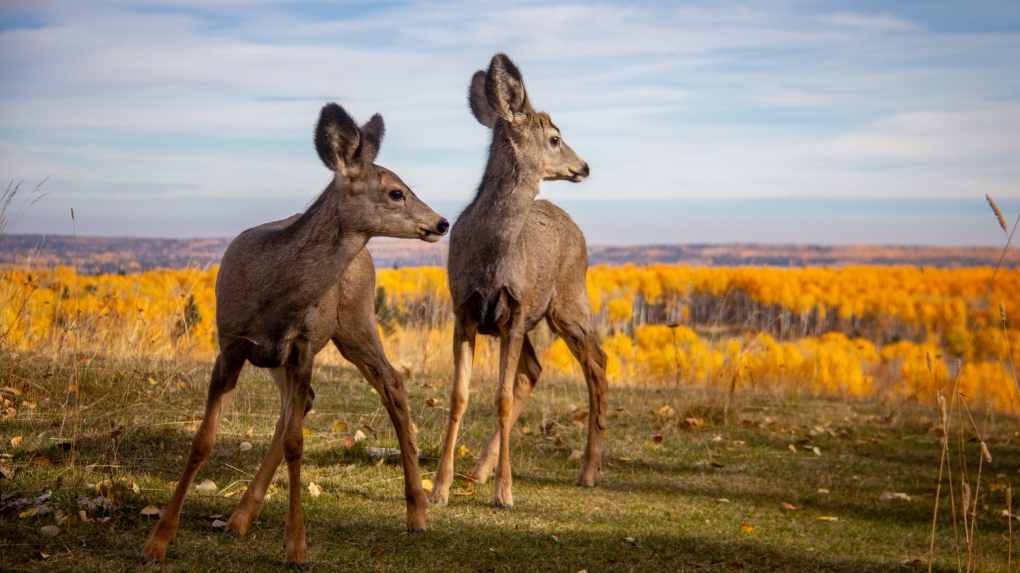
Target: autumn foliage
column 860, row 331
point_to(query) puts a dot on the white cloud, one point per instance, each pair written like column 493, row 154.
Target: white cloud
column 867, row 23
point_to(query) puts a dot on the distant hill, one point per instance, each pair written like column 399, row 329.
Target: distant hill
column 127, row 254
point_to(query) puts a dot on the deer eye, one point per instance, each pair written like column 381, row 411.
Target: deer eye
column 397, row 195
column 554, row 140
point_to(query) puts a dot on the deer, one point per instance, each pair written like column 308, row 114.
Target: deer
column 284, row 290
column 514, row 261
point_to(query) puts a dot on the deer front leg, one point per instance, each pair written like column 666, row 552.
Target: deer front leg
column 365, row 351
column 528, row 371
column 221, row 388
column 463, row 356
column 295, row 550
column 509, row 354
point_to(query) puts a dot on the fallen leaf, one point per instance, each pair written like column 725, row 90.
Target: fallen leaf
column 39, row 555
column 359, row 436
column 270, row 491
column 817, row 451
column 1007, row 514
column 427, row 485
column 826, row 518
column 890, row 496
column 50, row 530
column 650, row 445
column 723, row 500
column 15, row 441
column 245, row 446
column 464, row 493
column 719, row 440
column 823, row 490
column 150, row 510
column 716, row 465
column 658, row 438
column 314, row 489
column 996, row 486
column 207, row 485
column 339, row 426
column 11, row 390
column 462, row 451
column 430, row 402
column 84, row 516
column 694, row 423
column 575, row 455
column 6, row 471
column 739, row 442
column 793, row 448
column 632, row 541
column 747, row 528
column 558, row 442
column 525, row 430
column 218, row 524
column 40, row 459
column 305, row 433
column 791, row 506
column 28, row 513
column 248, row 435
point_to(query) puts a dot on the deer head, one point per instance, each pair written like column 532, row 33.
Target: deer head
column 377, row 201
column 499, row 101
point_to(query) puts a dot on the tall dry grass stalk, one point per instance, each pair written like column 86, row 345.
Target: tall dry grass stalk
column 970, row 495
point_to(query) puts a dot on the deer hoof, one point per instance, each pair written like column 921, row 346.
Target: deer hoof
column 437, row 502
column 303, row 566
column 416, row 530
column 499, row 505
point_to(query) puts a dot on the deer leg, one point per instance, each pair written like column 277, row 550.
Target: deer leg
column 299, row 378
column 251, row 502
column 364, row 350
column 463, row 356
column 221, row 389
column 510, row 346
column 528, row 371
column 582, row 343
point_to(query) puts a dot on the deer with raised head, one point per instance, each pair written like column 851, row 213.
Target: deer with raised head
column 514, row 261
column 284, row 290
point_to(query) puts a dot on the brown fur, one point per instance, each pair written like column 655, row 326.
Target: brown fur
column 284, row 290
column 514, row 261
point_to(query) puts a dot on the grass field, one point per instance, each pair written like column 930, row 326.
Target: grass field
column 690, row 482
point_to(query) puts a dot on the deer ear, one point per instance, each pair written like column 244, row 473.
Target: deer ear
column 371, row 138
column 337, row 137
column 504, row 88
column 480, row 107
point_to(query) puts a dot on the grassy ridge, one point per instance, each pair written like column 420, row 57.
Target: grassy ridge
column 657, row 505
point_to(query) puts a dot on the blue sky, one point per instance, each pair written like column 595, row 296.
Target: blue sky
column 813, row 122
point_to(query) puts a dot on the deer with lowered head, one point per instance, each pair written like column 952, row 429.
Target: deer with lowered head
column 514, row 261
column 284, row 290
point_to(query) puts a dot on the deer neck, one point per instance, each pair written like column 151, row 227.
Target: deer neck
column 319, row 246
column 506, row 194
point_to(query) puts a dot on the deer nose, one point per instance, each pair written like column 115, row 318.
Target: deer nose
column 443, row 226
column 585, row 171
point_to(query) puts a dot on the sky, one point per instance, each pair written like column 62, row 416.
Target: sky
column 858, row 122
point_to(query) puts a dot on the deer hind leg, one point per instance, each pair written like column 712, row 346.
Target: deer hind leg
column 364, row 349
column 528, row 371
column 251, row 502
column 221, row 389
column 580, row 338
column 296, row 396
column 463, row 355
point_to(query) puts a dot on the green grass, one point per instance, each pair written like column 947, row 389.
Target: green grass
column 665, row 497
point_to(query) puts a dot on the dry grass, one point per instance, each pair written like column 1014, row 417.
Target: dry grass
column 665, row 474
